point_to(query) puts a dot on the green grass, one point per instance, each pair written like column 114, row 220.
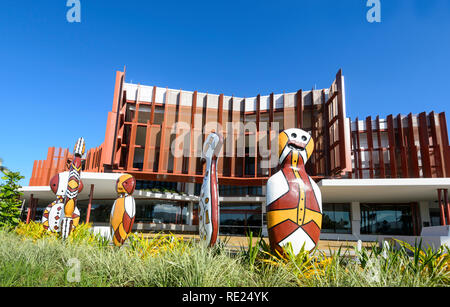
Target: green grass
column 31, row 258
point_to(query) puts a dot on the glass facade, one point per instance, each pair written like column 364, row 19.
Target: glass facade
column 435, row 217
column 233, row 190
column 100, row 210
column 147, row 211
column 387, row 219
column 154, row 211
column 336, row 218
column 240, row 219
column 156, row 186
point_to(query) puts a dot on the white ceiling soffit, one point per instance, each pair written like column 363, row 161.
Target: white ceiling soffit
column 382, row 190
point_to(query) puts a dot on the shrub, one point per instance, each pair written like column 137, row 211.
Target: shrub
column 10, row 199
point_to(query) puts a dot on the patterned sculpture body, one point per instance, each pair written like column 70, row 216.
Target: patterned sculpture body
column 123, row 210
column 53, row 214
column 73, row 185
column 294, row 201
column 209, row 195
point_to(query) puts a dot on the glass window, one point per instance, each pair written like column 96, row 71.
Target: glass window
column 249, row 165
column 130, row 112
column 240, row 218
column 100, row 210
column 144, row 114
column 156, row 186
column 388, row 219
column 147, row 211
column 151, row 211
column 336, row 218
column 435, row 217
column 231, row 190
column 159, row 115
column 138, row 161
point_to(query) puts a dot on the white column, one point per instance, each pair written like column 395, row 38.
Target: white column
column 356, row 218
column 424, row 211
column 190, row 188
column 190, row 213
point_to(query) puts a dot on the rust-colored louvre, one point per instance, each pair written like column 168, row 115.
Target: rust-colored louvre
column 412, row 146
column 44, row 170
column 328, row 122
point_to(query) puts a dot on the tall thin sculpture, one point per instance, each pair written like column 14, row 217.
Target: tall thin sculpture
column 209, row 195
column 73, row 185
column 123, row 210
column 294, row 201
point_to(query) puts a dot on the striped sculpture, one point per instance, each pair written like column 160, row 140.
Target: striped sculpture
column 73, row 188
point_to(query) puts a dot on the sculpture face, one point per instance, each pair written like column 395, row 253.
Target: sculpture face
column 209, row 194
column 58, row 184
column 125, row 184
column 295, row 140
column 294, row 201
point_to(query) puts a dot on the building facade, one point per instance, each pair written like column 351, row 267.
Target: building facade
column 370, row 171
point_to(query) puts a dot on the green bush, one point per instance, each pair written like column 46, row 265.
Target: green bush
column 10, row 199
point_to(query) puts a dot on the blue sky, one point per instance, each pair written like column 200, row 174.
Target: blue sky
column 57, row 77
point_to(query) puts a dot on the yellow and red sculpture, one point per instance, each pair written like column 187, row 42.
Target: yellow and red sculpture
column 124, row 210
column 294, row 201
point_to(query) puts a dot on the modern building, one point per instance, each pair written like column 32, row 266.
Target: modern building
column 378, row 176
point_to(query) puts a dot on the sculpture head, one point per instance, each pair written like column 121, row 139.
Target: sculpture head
column 125, row 184
column 58, row 184
column 80, row 147
column 295, row 139
column 212, row 146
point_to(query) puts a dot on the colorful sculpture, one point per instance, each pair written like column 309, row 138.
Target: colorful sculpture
column 294, row 201
column 123, row 210
column 73, row 188
column 209, row 194
column 53, row 214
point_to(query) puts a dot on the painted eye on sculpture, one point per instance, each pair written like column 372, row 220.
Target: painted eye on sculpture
column 304, row 138
column 294, row 135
